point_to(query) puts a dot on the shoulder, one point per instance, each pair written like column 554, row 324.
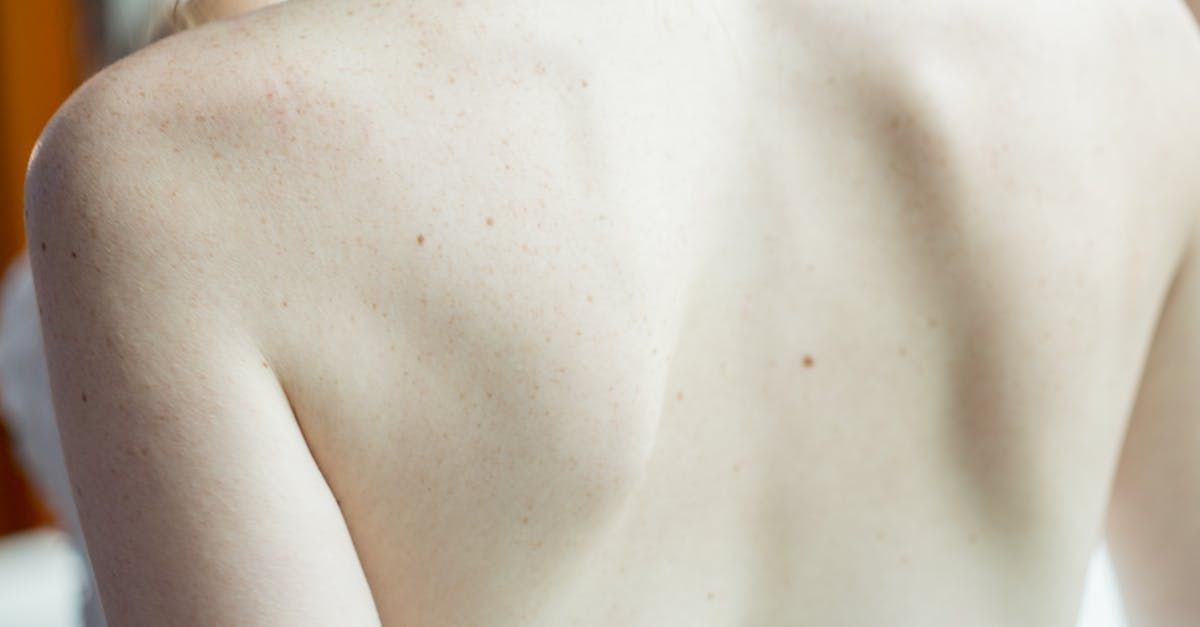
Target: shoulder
column 157, row 148
column 132, row 187
column 132, row 121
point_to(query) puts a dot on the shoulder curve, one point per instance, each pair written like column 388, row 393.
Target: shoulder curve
column 163, row 106
column 120, row 176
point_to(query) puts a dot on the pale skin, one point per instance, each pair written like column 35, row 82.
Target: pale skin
column 632, row 313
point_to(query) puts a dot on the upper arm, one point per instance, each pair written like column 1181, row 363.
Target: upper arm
column 1154, row 519
column 197, row 494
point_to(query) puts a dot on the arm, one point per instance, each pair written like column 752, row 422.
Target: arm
column 197, row 494
column 1154, row 518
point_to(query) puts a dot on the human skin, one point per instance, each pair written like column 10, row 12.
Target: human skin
column 792, row 313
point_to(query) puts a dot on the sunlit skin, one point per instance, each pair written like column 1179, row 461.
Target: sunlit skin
column 720, row 314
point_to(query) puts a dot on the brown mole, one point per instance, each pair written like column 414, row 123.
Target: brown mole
column 420, row 240
column 808, row 361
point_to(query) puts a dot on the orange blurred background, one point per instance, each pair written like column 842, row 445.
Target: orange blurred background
column 41, row 62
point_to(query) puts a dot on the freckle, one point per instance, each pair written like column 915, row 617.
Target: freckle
column 420, row 240
column 737, row 467
column 429, row 96
column 490, row 222
column 525, row 520
column 903, row 351
column 679, row 395
column 808, row 361
column 264, row 364
column 73, row 255
column 583, row 83
column 84, row 396
column 451, row 79
column 43, row 245
column 711, row 596
column 589, row 298
column 285, row 303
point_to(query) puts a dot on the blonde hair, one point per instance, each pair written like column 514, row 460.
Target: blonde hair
column 172, row 16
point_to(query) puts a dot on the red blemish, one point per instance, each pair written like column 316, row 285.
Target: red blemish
column 420, row 240
column 808, row 361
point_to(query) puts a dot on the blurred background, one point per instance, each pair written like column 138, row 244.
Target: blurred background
column 47, row 48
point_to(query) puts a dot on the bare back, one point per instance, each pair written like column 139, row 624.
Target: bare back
column 812, row 314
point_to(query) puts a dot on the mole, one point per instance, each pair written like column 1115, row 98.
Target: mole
column 420, row 240
column 43, row 245
column 584, row 83
column 490, row 222
column 808, row 361
column 73, row 255
column 84, row 396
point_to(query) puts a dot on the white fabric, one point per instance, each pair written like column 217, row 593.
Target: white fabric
column 41, row 582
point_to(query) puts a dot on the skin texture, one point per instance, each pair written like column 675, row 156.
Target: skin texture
column 795, row 313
